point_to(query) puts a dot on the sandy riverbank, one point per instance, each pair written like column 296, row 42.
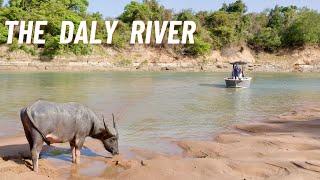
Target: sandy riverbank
column 139, row 58
column 281, row 147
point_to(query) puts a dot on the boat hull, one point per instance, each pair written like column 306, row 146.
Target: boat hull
column 238, row 83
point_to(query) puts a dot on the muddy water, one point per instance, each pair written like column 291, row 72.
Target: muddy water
column 154, row 108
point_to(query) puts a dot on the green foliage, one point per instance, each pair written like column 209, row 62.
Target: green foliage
column 13, row 14
column 81, row 49
column 269, row 30
column 148, row 10
column 187, row 15
column 54, row 11
column 202, row 40
column 157, row 11
column 199, row 48
column 281, row 17
column 223, row 27
column 28, row 49
column 257, row 22
column 305, row 30
column 52, row 46
column 14, row 46
column 3, row 34
column 266, row 39
column 135, row 11
column 121, row 36
column 238, row 6
column 74, row 5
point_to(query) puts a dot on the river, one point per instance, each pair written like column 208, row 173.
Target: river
column 153, row 108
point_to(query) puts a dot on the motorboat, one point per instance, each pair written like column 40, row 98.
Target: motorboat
column 238, row 80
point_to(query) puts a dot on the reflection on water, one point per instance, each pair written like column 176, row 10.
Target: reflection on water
column 152, row 107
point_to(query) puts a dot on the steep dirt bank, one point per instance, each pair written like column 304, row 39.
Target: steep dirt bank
column 150, row 59
column 281, row 147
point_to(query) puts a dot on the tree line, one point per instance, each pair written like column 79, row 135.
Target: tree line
column 270, row 30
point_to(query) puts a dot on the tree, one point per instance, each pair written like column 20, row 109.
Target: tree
column 223, row 27
column 148, row 10
column 156, row 10
column 135, row 11
column 3, row 34
column 305, row 30
column 238, row 6
column 199, row 48
column 267, row 39
column 281, row 17
column 202, row 41
column 75, row 5
column 257, row 21
column 201, row 16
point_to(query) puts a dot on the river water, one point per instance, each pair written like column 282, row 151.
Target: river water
column 154, row 108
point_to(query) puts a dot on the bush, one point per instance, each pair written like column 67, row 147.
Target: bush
column 135, row 11
column 270, row 30
column 29, row 50
column 237, row 6
column 121, row 36
column 14, row 46
column 199, row 48
column 52, row 46
column 267, row 39
column 81, row 49
column 305, row 30
column 3, row 34
column 223, row 36
column 223, row 27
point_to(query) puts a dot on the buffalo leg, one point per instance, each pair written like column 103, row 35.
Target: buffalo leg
column 29, row 138
column 79, row 144
column 36, row 149
column 26, row 127
column 78, row 154
column 73, row 150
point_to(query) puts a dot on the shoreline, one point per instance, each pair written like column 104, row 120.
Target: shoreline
column 38, row 66
column 286, row 146
column 147, row 59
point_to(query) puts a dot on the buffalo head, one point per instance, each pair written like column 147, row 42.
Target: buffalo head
column 110, row 141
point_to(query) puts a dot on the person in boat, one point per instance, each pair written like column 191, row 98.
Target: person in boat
column 236, row 72
column 239, row 72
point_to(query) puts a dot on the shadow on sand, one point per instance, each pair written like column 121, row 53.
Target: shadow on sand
column 20, row 153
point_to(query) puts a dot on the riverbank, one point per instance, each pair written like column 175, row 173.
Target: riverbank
column 141, row 58
column 286, row 146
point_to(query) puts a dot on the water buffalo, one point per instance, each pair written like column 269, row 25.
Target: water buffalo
column 51, row 122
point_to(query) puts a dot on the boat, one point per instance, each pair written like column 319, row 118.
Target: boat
column 238, row 82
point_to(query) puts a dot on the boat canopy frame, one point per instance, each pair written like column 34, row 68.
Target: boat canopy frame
column 239, row 63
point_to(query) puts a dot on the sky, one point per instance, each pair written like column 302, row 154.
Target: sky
column 113, row 8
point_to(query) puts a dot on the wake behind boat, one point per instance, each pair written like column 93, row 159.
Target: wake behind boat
column 238, row 79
